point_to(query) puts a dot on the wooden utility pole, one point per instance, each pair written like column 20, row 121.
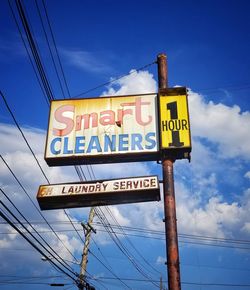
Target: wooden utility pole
column 84, row 260
column 173, row 264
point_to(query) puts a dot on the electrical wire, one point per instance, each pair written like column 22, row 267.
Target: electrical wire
column 115, row 79
column 39, row 66
column 120, row 245
column 65, row 265
column 111, row 271
column 34, row 50
column 43, row 217
column 35, row 283
column 62, row 260
column 54, row 62
column 56, row 50
column 208, row 244
column 21, row 132
column 148, row 233
column 27, row 143
column 43, row 77
column 32, row 44
column 33, row 245
column 129, row 241
column 27, row 51
column 106, row 260
column 50, row 50
column 93, row 89
column 184, row 283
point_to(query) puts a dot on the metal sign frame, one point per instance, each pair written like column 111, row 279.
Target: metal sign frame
column 179, row 151
column 113, row 157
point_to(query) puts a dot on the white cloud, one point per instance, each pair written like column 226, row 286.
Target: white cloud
column 247, row 175
column 116, row 214
column 160, row 260
column 202, row 206
column 246, row 228
column 119, row 170
column 86, row 61
column 226, row 126
column 11, row 50
column 141, row 82
column 216, row 217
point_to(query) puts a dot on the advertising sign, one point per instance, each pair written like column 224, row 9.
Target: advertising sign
column 110, row 129
column 174, row 121
column 97, row 193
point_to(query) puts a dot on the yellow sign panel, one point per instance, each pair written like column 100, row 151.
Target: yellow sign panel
column 174, row 122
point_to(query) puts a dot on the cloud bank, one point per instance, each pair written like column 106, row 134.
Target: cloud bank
column 209, row 200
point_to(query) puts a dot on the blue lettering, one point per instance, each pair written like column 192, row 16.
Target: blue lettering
column 79, row 148
column 150, row 138
column 53, row 146
column 136, row 142
column 94, row 144
column 109, row 145
column 66, row 146
column 123, row 142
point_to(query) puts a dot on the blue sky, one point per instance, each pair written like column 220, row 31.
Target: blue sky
column 207, row 46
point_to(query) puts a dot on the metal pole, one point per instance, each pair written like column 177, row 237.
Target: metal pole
column 84, row 260
column 173, row 264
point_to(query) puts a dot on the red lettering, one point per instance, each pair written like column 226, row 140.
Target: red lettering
column 67, row 121
column 138, row 111
column 121, row 113
column 107, row 118
column 65, row 116
column 86, row 118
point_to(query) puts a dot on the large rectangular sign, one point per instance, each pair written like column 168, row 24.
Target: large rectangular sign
column 174, row 122
column 97, row 193
column 108, row 129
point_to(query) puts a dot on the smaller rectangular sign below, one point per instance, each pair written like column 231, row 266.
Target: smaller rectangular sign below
column 97, row 193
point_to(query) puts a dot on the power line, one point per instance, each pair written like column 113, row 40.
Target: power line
column 47, row 40
column 42, row 72
column 132, row 245
column 208, row 244
column 184, row 283
column 30, row 277
column 34, row 50
column 65, row 265
column 33, row 245
column 43, row 217
column 80, row 172
column 152, row 233
column 39, row 66
column 21, row 12
column 113, row 236
column 34, row 283
column 20, row 130
column 27, row 143
column 111, row 271
column 115, row 79
column 230, row 86
column 55, row 46
column 120, row 245
column 184, row 264
column 27, row 51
